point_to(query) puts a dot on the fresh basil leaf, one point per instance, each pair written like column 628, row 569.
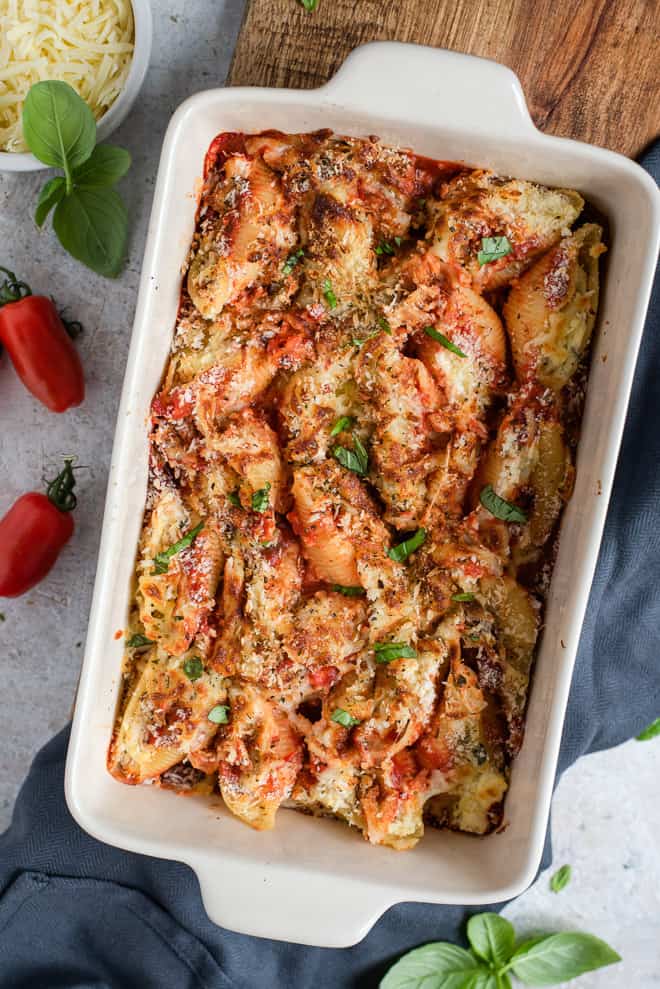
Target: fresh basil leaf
column 492, row 249
column 193, row 668
column 500, row 508
column 356, row 459
column 49, row 197
column 342, row 717
column 492, row 938
column 560, row 879
column 139, row 641
column 349, row 592
column 488, row 980
column 651, row 731
column 58, row 126
column 344, row 422
column 330, row 296
column 232, row 497
column 403, row 550
column 261, row 499
column 92, row 225
column 219, row 714
column 463, row 596
column 384, row 325
column 387, row 652
column 292, row 261
column 162, row 559
column 309, row 5
column 105, row 166
column 441, row 338
column 433, row 966
column 560, row 957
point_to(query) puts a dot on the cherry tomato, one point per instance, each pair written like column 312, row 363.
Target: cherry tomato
column 33, row 532
column 39, row 347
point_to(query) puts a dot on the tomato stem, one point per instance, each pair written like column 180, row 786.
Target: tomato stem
column 11, row 290
column 60, row 490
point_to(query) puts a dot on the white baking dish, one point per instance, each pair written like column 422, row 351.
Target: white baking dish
column 315, row 881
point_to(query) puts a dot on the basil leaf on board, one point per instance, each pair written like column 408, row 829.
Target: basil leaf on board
column 384, row 325
column 560, row 957
column 330, row 296
column 261, row 499
column 49, row 197
column 356, row 459
column 651, row 731
column 92, row 225
column 58, row 126
column 441, row 338
column 433, row 966
column 560, row 879
column 387, row 652
column 342, row 717
column 500, row 508
column 292, row 261
column 193, row 668
column 463, row 596
column 403, row 550
column 219, row 714
column 491, row 937
column 309, row 5
column 105, row 166
column 162, row 560
column 492, row 249
column 139, row 641
column 349, row 592
column 344, row 422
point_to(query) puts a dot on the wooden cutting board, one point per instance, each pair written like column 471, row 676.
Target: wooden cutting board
column 590, row 68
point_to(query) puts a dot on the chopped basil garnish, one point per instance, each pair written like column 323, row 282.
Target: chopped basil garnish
column 403, row 550
column 261, row 499
column 193, row 668
column 292, row 261
column 232, row 496
column 384, row 325
column 349, row 592
column 441, row 338
column 139, row 641
column 162, row 560
column 492, row 249
column 560, row 879
column 219, row 714
column 383, row 247
column 463, row 596
column 356, row 459
column 342, row 717
column 500, row 508
column 344, row 422
column 387, row 652
column 330, row 296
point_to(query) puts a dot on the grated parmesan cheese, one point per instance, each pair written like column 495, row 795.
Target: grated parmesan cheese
column 87, row 43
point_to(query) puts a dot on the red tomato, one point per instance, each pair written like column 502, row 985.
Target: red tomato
column 33, row 532
column 40, row 349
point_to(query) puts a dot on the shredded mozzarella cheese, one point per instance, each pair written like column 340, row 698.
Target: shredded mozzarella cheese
column 87, row 43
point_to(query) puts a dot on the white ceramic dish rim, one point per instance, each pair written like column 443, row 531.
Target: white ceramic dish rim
column 23, row 161
column 334, row 887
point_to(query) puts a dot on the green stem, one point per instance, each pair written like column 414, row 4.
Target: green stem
column 60, row 490
column 11, row 290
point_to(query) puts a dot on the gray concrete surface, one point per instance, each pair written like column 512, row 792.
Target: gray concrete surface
column 606, row 807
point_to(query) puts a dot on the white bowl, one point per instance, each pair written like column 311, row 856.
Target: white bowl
column 313, row 880
column 19, row 161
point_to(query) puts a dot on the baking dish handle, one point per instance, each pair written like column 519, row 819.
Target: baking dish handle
column 432, row 86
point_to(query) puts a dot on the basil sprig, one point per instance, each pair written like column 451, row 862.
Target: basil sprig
column 651, row 731
column 403, row 550
column 261, row 499
column 542, row 961
column 387, row 652
column 500, row 508
column 162, row 559
column 492, row 249
column 560, row 879
column 441, row 338
column 90, row 219
column 349, row 591
column 356, row 459
column 342, row 717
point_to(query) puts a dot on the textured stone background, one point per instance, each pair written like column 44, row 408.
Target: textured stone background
column 607, row 807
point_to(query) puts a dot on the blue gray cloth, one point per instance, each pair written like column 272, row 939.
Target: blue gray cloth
column 77, row 914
